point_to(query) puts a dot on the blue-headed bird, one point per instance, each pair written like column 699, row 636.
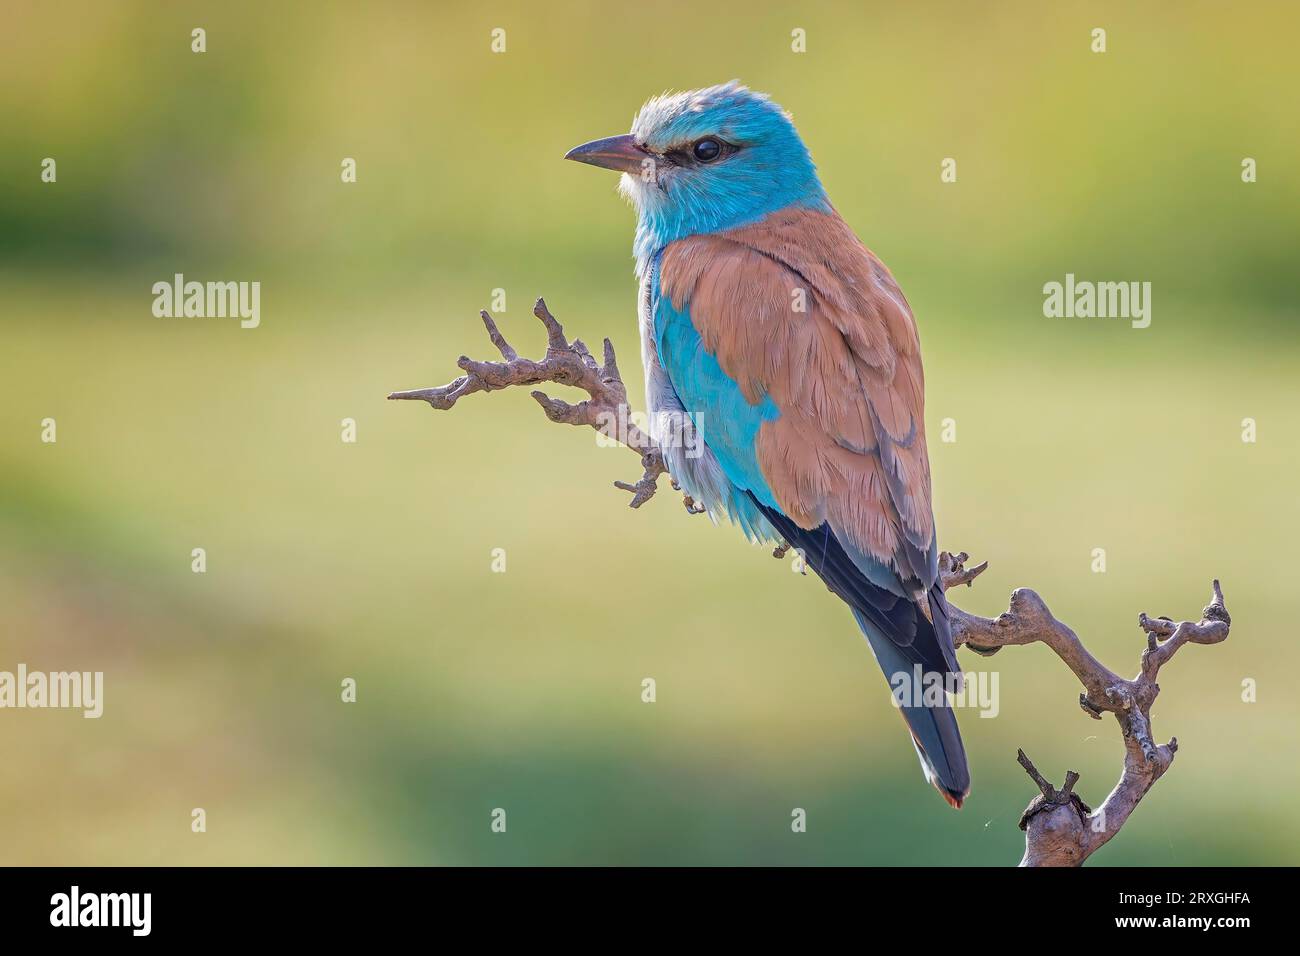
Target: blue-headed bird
column 769, row 329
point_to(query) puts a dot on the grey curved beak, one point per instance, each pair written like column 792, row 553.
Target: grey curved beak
column 613, row 152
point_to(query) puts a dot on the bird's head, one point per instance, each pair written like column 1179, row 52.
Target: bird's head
column 706, row 160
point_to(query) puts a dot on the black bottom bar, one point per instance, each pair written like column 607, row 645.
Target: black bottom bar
column 887, row 907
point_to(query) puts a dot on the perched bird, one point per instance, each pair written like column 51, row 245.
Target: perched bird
column 769, row 329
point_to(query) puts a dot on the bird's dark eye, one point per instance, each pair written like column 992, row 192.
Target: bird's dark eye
column 707, row 150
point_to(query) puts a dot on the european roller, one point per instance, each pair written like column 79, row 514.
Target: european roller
column 787, row 347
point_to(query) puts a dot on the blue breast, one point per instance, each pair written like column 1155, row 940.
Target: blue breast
column 728, row 422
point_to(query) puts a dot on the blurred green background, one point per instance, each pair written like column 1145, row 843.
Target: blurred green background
column 521, row 690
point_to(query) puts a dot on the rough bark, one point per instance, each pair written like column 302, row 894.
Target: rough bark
column 1060, row 829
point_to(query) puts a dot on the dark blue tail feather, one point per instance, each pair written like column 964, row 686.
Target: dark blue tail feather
column 902, row 636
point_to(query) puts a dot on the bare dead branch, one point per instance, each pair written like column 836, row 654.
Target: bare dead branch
column 1060, row 829
column 565, row 363
column 955, row 572
column 1055, row 835
column 1048, row 791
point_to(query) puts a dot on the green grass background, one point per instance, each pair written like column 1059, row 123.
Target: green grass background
column 522, row 690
